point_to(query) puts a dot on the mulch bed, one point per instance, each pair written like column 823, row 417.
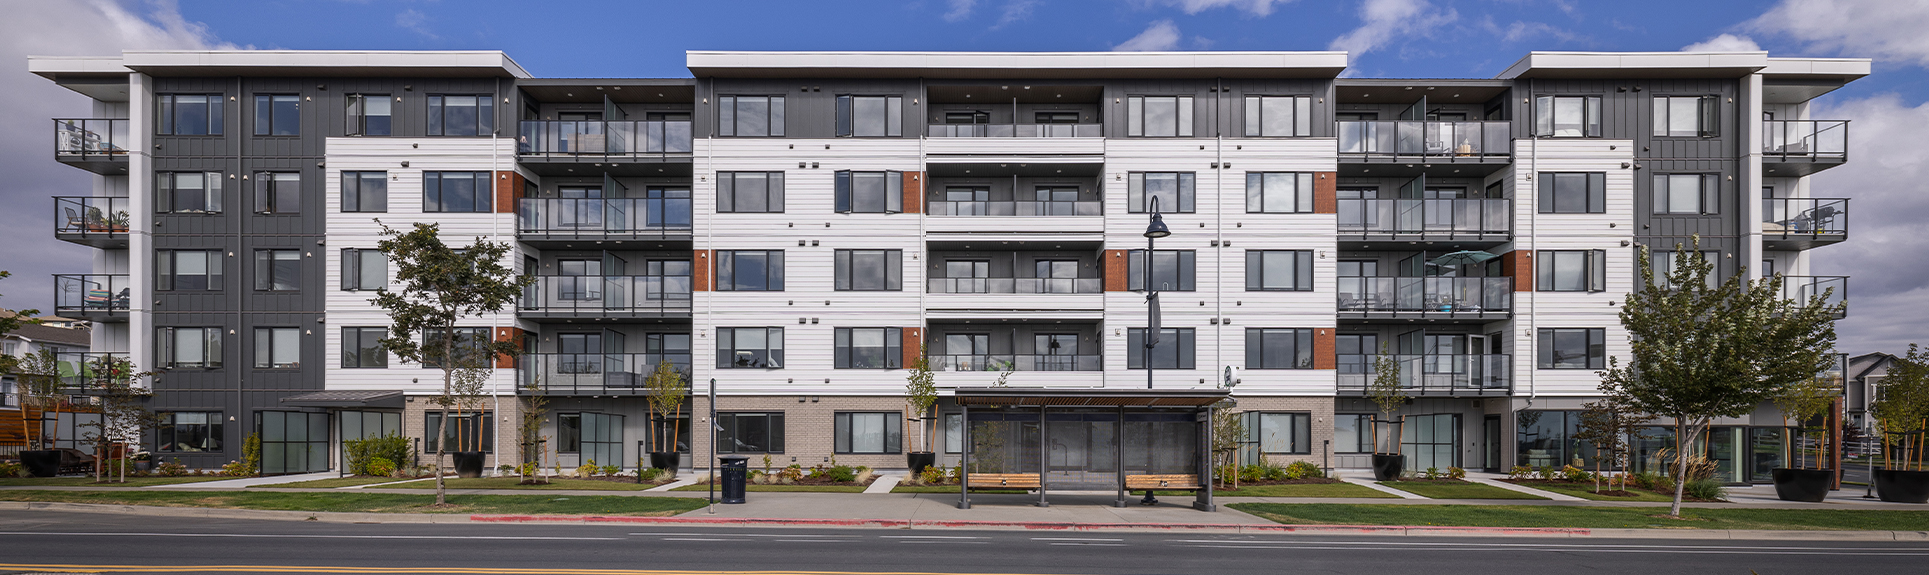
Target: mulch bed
column 1425, row 480
column 1300, row 481
column 1589, row 485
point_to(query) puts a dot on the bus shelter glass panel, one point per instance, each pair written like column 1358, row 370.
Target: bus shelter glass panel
column 1082, row 450
column 1004, row 443
column 1160, row 444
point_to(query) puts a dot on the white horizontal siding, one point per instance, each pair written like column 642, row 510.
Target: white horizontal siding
column 1612, row 231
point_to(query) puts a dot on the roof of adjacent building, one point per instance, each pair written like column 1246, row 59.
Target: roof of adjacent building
column 67, row 336
column 1017, row 65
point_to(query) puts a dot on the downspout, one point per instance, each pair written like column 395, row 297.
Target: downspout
column 709, row 300
column 1218, row 231
column 1533, row 164
column 241, row 303
column 495, row 230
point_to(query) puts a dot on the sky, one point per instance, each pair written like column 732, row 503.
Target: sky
column 1889, row 130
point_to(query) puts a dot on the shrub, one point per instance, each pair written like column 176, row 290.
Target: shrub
column 792, row 473
column 1456, row 473
column 931, row 476
column 840, row 474
column 588, row 468
column 171, row 469
column 1431, row 473
column 1303, row 470
column 250, row 463
column 1547, row 473
column 1708, row 489
column 1572, row 473
column 611, row 470
column 237, row 469
column 393, row 447
column 379, row 467
column 1520, row 472
column 648, row 473
column 12, row 469
column 1262, row 471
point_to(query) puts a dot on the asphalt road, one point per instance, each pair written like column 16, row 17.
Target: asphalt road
column 113, row 543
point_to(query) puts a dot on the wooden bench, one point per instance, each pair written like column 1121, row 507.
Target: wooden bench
column 1001, row 480
column 1162, row 482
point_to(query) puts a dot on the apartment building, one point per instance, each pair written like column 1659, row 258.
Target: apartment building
column 795, row 228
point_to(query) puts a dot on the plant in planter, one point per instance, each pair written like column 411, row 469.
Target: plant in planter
column 1386, row 392
column 920, row 394
column 667, row 389
column 1606, row 424
column 1804, row 403
column 1228, row 434
column 1902, row 408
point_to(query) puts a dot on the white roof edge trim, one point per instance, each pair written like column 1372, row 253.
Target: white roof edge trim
column 495, row 59
column 45, row 65
column 1634, row 61
column 1857, row 67
column 698, row 59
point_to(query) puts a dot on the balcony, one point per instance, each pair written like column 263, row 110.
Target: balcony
column 1434, row 375
column 1015, row 131
column 1456, row 223
column 1802, row 147
column 562, row 298
column 1015, row 285
column 1833, row 289
column 92, row 221
column 604, row 140
column 95, row 297
column 544, row 221
column 1016, row 208
column 81, row 372
column 96, row 145
column 1484, row 145
column 593, row 373
column 1016, row 362
column 1433, row 298
column 1803, row 223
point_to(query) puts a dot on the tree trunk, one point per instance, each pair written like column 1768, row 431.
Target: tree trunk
column 442, row 429
column 1681, row 462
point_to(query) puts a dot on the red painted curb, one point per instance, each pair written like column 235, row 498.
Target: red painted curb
column 1027, row 525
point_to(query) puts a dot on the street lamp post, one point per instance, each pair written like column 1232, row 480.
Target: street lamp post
column 1153, row 232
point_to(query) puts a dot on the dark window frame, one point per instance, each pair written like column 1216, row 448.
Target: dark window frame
column 269, row 270
column 730, row 422
column 1301, row 424
column 358, row 196
column 1302, row 270
column 435, row 198
column 845, row 351
column 847, row 115
column 727, row 193
column 439, row 110
column 1137, row 201
column 463, row 430
column 359, row 113
column 1547, row 125
column 364, row 355
column 466, row 340
column 1184, row 339
column 271, row 119
column 167, row 261
column 846, row 192
column 1184, row 106
column 270, row 336
column 1706, row 196
column 1707, row 116
column 1300, row 346
column 168, row 109
column 1184, row 267
column 1557, row 188
column 845, row 270
column 772, row 350
column 166, row 186
column 353, row 272
column 167, row 428
column 842, row 440
column 277, row 193
column 1253, row 110
column 726, row 268
column 1301, row 194
column 1594, row 356
column 1593, row 270
column 213, row 347
column 728, row 125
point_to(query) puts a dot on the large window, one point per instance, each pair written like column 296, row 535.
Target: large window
column 597, row 436
column 1158, row 116
column 1573, row 192
column 870, row 270
column 750, row 433
column 277, row 348
column 1573, row 348
column 190, row 115
column 469, row 345
column 277, row 192
column 870, row 192
column 750, row 192
column 1173, row 190
column 869, row 348
column 1567, row 116
column 1172, row 270
column 364, row 269
column 750, row 347
column 188, row 347
column 1279, row 116
column 1687, row 116
column 456, row 192
column 451, row 115
column 278, row 270
column 1281, row 433
column 868, row 432
column 1570, row 270
column 870, row 116
column 1279, row 270
column 1686, row 194
column 368, row 114
column 466, row 432
column 1279, row 348
column 362, row 347
column 277, row 115
column 742, row 270
column 750, row 116
column 187, row 192
column 188, row 431
column 1173, row 350
column 1352, row 433
column 187, row 270
column 364, row 191
column 1279, row 192
column 1545, row 438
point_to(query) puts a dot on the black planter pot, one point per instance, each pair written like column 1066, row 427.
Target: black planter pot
column 1892, row 485
column 468, row 464
column 1811, row 485
column 664, row 460
column 41, row 462
column 919, row 460
column 143, row 465
column 1388, row 467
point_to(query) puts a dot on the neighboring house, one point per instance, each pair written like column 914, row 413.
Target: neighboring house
column 69, row 344
column 1864, row 387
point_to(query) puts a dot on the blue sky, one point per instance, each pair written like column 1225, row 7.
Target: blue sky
column 1889, row 136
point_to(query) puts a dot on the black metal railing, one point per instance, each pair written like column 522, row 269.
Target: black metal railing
column 1016, row 285
column 606, row 295
column 1426, row 216
column 603, row 138
column 604, row 217
column 1813, row 139
column 1016, row 208
column 1832, row 289
column 1792, row 217
column 1468, row 140
column 92, row 294
column 594, row 373
column 1485, row 374
column 1016, row 362
column 1426, row 295
column 1015, row 131
column 90, row 216
column 91, row 137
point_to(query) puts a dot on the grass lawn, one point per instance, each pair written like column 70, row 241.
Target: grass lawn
column 511, row 483
column 1587, row 492
column 333, row 483
column 1587, row 517
column 373, row 502
column 1304, row 490
column 783, row 488
column 1456, row 490
column 89, row 481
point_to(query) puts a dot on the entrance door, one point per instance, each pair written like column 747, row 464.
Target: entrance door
column 602, row 438
column 1057, row 276
column 1055, row 351
column 1431, row 441
column 967, row 276
column 1490, row 443
column 292, row 441
column 1767, row 447
column 967, row 351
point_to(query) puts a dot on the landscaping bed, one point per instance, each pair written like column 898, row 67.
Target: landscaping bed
column 1455, row 489
column 803, row 488
column 1309, row 487
column 88, row 481
column 1644, row 517
column 582, row 484
column 358, row 501
column 1585, row 490
column 335, row 482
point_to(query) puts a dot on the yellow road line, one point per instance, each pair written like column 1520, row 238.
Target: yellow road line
column 427, row 570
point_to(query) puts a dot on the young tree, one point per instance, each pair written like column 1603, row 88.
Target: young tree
column 441, row 285
column 1801, row 403
column 529, row 430
column 920, row 393
column 1902, row 407
column 123, row 408
column 667, row 388
column 1228, row 432
column 1702, row 350
column 1607, row 424
column 1385, row 390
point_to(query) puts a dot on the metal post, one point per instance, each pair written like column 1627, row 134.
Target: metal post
column 1118, row 456
column 964, row 459
column 1151, row 300
column 711, row 465
column 1044, row 454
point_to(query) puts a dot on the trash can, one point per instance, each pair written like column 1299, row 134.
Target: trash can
column 736, row 473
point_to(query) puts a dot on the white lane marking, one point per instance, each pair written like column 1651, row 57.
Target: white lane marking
column 1091, row 544
column 268, row 536
column 813, row 540
column 1647, row 551
column 700, row 539
column 927, row 537
column 673, row 534
column 791, row 535
column 1071, row 539
column 1579, row 545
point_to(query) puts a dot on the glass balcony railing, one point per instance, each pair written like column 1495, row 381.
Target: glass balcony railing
column 1832, row 289
column 1813, row 139
column 605, row 295
column 90, row 137
column 1015, row 131
column 1468, row 140
column 92, row 295
column 1426, row 216
column 1789, row 217
column 82, row 372
column 1016, row 362
column 594, row 373
column 1426, row 295
column 86, row 215
column 583, row 217
column 1016, row 285
column 1436, row 374
column 1016, row 208
column 600, row 138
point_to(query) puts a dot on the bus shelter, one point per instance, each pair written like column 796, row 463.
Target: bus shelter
column 1087, row 440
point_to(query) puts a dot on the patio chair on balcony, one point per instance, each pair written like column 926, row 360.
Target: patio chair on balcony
column 73, row 220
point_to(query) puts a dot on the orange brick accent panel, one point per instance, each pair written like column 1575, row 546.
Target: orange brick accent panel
column 508, row 334
column 700, row 266
column 509, row 186
column 914, row 192
column 1115, row 270
column 1324, row 354
column 1519, row 264
column 913, row 345
column 1326, row 196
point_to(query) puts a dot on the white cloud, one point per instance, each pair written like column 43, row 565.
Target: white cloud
column 1519, row 31
column 1014, row 11
column 1161, row 36
column 1383, row 20
column 414, row 20
column 1254, row 7
column 1724, row 43
column 1888, row 160
column 960, row 9
column 1884, row 29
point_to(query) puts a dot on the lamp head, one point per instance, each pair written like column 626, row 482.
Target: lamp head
column 1157, row 229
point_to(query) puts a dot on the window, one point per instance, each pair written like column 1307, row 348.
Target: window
column 1573, row 348
column 466, row 432
column 8, row 398
column 750, row 433
column 1279, row 116
column 277, row 192
column 1570, row 270
column 597, row 436
column 1279, row 192
column 469, row 343
column 188, row 346
column 870, row 116
column 1277, row 348
column 1054, row 118
column 362, row 347
column 750, row 347
column 278, row 270
column 456, row 192
column 869, row 270
column 1690, row 194
column 1173, row 350
column 869, row 348
column 188, row 431
column 750, row 270
column 190, row 115
column 1158, row 116
column 868, row 432
column 1172, row 270
column 364, row 191
column 368, row 115
column 1282, row 433
column 750, row 116
column 1573, row 192
column 870, row 192
column 461, row 115
column 277, row 347
column 1352, row 433
column 967, row 117
column 1279, row 270
column 1687, row 116
column 954, row 432
column 1662, row 263
column 183, row 270
column 364, row 269
column 1172, row 190
column 1567, row 116
column 187, row 192
column 750, row 192
column 277, row 115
